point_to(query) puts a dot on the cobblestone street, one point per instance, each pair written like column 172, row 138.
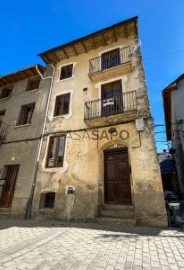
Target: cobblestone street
column 59, row 245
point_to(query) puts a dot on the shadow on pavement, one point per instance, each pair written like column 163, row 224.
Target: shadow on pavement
column 115, row 229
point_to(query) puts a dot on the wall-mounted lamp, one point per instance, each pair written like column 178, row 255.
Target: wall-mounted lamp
column 112, row 130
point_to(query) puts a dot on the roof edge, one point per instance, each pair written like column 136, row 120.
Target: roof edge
column 22, row 69
column 135, row 18
column 175, row 81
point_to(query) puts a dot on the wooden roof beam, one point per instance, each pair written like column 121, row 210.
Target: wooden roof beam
column 94, row 44
column 56, row 57
column 125, row 31
column 73, row 47
column 65, row 54
column 83, row 45
column 114, row 35
column 103, row 39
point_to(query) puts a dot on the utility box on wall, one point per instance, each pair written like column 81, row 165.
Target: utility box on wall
column 139, row 124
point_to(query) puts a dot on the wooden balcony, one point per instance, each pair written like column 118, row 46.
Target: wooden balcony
column 110, row 64
column 111, row 110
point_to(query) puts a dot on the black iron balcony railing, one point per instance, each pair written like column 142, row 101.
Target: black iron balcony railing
column 3, row 130
column 109, row 60
column 109, row 106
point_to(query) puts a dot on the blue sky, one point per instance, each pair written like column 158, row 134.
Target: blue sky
column 30, row 27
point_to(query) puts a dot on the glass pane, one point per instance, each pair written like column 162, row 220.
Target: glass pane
column 116, row 89
column 106, row 92
column 66, row 72
column 60, row 151
column 53, row 142
column 66, row 104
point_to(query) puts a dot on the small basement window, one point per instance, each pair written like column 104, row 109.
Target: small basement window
column 49, row 200
column 5, row 93
column 33, row 84
column 66, row 72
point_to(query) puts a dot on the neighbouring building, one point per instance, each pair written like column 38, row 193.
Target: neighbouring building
column 173, row 98
column 168, row 171
column 98, row 158
column 23, row 99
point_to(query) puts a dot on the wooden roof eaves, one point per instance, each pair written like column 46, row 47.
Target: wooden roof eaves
column 12, row 77
column 43, row 55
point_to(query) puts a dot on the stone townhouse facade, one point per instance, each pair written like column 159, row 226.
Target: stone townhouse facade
column 23, row 99
column 98, row 159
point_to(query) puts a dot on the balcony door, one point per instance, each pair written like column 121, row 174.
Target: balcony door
column 111, row 98
column 110, row 59
column 9, row 186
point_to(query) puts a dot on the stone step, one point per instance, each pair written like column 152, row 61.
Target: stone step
column 117, row 213
column 118, row 207
column 116, row 221
column 4, row 211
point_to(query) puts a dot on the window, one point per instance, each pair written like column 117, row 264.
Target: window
column 49, row 200
column 66, row 72
column 111, row 59
column 62, row 105
column 56, row 151
column 33, row 85
column 2, row 113
column 5, row 93
column 26, row 114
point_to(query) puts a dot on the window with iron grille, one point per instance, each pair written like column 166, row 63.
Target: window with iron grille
column 33, row 84
column 62, row 105
column 26, row 114
column 66, row 72
column 49, row 200
column 5, row 93
column 56, row 150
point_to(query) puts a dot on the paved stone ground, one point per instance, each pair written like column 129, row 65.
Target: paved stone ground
column 58, row 245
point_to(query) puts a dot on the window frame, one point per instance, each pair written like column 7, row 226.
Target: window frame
column 46, row 203
column 2, row 113
column 55, row 106
column 65, row 66
column 20, row 114
column 108, row 56
column 56, row 151
column 9, row 92
column 32, row 81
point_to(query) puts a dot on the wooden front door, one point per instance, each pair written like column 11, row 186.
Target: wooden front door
column 117, row 177
column 9, row 186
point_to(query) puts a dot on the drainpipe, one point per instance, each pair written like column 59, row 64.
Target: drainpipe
column 30, row 201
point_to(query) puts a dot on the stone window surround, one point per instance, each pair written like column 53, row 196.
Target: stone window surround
column 73, row 71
